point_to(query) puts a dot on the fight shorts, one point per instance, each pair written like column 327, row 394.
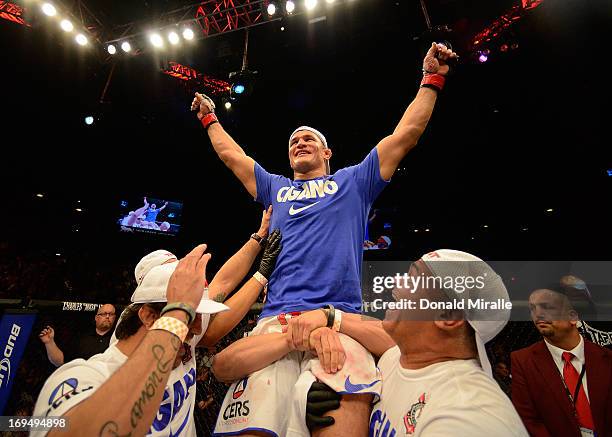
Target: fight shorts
column 273, row 399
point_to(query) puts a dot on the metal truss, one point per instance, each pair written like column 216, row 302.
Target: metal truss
column 12, row 12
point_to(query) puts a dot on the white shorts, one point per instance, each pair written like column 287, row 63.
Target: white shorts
column 273, row 399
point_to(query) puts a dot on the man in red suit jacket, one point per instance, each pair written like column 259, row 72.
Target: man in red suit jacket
column 550, row 391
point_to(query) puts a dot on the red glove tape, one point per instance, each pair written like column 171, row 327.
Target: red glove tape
column 435, row 81
column 209, row 119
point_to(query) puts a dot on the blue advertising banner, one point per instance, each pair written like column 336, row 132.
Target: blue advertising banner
column 14, row 334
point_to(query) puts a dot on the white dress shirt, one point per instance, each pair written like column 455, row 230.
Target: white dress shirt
column 577, row 360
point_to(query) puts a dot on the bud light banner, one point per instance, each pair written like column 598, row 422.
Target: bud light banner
column 14, row 333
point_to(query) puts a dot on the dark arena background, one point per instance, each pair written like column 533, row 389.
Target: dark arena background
column 515, row 164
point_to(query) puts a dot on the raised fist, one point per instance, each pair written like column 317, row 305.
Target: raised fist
column 436, row 59
column 46, row 335
column 203, row 104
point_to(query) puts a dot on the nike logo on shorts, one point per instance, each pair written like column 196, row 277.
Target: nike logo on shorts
column 354, row 388
column 295, row 211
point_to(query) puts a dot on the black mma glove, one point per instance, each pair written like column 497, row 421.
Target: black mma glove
column 268, row 260
column 321, row 399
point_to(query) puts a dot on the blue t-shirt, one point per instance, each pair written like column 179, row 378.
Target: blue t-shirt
column 152, row 214
column 322, row 222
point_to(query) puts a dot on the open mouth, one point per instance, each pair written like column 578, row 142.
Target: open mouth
column 301, row 153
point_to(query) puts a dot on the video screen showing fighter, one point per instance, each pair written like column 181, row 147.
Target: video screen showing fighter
column 150, row 215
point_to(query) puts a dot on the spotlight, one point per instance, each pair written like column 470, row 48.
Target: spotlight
column 504, row 48
column 156, row 40
column 310, row 4
column 482, row 58
column 289, row 7
column 271, row 9
column 549, row 210
column 125, row 46
column 173, row 38
column 111, row 49
column 188, row 34
column 81, row 39
column 66, row 25
column 49, row 10
column 228, row 105
column 40, row 195
column 89, row 120
column 242, row 83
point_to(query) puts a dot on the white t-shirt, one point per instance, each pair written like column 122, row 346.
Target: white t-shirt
column 75, row 381
column 450, row 398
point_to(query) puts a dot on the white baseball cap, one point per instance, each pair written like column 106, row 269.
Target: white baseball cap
column 318, row 134
column 454, row 263
column 152, row 276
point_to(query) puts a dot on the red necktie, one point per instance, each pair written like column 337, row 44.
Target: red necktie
column 571, row 376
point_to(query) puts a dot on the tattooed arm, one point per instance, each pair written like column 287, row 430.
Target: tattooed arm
column 128, row 401
column 236, row 268
column 126, row 404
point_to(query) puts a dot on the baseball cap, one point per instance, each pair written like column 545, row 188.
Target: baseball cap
column 486, row 323
column 318, row 134
column 152, row 276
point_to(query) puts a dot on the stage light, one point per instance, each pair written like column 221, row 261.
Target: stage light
column 89, row 120
column 482, row 58
column 188, row 34
column 66, row 25
column 426, row 230
column 49, row 10
column 81, row 39
column 290, row 7
column 609, row 172
column 40, row 195
column 228, row 105
column 78, row 210
column 549, row 210
column 156, row 40
column 173, row 38
column 241, row 83
column 271, row 9
column 504, row 48
column 111, row 49
column 310, row 4
column 125, row 46
column 282, row 28
column 485, row 226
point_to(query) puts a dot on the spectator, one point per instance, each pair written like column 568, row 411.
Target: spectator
column 87, row 344
column 560, row 386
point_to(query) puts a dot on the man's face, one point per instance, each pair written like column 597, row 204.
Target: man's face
column 552, row 314
column 105, row 317
column 406, row 325
column 153, row 206
column 306, row 152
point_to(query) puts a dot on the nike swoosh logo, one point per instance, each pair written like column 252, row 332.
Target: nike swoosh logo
column 354, row 388
column 293, row 211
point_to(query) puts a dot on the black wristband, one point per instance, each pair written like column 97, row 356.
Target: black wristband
column 191, row 314
column 331, row 315
column 257, row 238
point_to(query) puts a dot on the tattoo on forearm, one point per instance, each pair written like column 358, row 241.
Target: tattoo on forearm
column 111, row 429
column 219, row 298
column 164, row 366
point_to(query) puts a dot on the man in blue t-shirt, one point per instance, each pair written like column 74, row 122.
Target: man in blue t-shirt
column 322, row 218
column 153, row 211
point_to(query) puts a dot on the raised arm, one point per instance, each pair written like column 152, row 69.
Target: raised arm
column 54, row 353
column 227, row 149
column 235, row 269
column 392, row 149
column 165, row 204
column 127, row 403
column 241, row 302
